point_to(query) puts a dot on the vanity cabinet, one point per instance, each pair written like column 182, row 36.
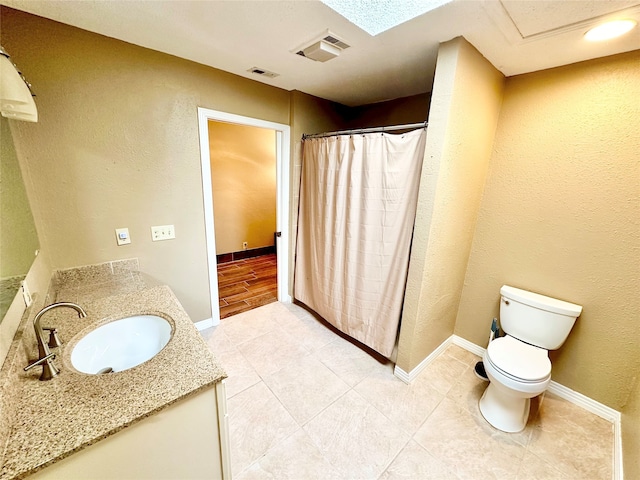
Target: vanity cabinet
column 185, row 440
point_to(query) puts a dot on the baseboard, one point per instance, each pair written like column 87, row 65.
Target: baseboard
column 411, row 376
column 204, row 324
column 467, row 345
column 589, row 404
column 244, row 254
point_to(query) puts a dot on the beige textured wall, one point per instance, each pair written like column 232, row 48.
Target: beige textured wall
column 243, row 177
column 413, row 109
column 465, row 104
column 560, row 216
column 117, row 145
column 631, row 433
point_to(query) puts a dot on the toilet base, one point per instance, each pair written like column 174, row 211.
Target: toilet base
column 505, row 412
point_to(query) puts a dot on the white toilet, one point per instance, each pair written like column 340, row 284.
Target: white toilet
column 518, row 364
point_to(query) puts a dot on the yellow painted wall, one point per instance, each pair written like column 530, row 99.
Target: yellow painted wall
column 116, row 145
column 560, row 216
column 465, row 104
column 243, row 177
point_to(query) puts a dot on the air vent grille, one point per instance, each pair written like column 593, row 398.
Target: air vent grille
column 336, row 41
column 263, row 72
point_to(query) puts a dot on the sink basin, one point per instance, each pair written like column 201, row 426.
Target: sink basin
column 121, row 344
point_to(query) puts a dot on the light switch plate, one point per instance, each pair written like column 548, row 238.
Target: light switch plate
column 163, row 232
column 122, row 236
column 26, row 294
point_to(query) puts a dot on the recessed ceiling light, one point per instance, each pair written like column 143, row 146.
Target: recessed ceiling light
column 377, row 16
column 609, row 30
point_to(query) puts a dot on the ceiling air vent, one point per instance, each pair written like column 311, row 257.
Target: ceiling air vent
column 322, row 48
column 262, row 72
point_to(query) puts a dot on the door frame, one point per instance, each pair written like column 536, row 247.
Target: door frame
column 283, row 162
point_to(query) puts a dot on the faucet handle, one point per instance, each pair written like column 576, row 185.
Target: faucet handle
column 49, row 370
column 54, row 339
column 40, row 361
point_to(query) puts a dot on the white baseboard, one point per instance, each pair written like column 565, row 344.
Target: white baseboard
column 555, row 388
column 204, row 324
column 467, row 345
column 411, row 376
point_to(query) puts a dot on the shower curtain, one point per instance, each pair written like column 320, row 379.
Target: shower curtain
column 358, row 198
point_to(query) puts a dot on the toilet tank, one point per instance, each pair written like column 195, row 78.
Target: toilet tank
column 536, row 319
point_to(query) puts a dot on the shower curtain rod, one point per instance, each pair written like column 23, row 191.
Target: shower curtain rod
column 365, row 130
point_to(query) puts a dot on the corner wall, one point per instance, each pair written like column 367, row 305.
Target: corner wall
column 465, row 105
column 560, row 216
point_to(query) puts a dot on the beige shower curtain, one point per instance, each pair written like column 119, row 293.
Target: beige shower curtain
column 358, row 198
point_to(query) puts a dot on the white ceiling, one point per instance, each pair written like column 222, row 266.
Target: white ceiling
column 517, row 36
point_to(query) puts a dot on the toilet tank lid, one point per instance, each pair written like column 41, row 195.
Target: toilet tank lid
column 541, row 301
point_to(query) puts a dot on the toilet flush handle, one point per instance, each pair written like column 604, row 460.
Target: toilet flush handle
column 506, row 302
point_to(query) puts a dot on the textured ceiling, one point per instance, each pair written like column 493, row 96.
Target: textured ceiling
column 517, row 36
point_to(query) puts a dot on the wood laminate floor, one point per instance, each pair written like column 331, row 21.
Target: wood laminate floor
column 247, row 284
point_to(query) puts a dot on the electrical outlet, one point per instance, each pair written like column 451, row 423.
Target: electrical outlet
column 245, row 245
column 122, row 236
column 163, row 232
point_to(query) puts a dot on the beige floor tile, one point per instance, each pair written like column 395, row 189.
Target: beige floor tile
column 442, row 373
column 257, row 422
column 349, row 362
column 311, row 333
column 241, row 375
column 295, row 458
column 356, row 438
column 272, row 351
column 573, row 440
column 408, row 406
column 535, row 468
column 248, row 325
column 306, row 387
column 462, row 355
column 217, row 341
column 415, row 463
column 468, row 446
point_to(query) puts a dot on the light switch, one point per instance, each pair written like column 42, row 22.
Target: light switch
column 122, row 236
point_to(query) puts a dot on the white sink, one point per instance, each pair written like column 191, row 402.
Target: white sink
column 121, row 344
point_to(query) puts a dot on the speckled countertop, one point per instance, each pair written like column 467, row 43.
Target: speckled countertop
column 59, row 417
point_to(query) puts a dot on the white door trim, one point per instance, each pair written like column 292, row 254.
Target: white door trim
column 283, row 161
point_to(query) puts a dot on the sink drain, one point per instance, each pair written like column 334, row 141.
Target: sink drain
column 104, row 370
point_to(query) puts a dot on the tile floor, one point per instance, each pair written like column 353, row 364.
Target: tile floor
column 306, row 404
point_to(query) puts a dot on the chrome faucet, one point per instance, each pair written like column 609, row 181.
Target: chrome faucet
column 45, row 357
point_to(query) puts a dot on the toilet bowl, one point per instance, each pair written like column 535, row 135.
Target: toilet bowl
column 517, row 372
column 518, row 365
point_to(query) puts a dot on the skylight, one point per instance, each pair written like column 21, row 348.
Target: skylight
column 377, row 16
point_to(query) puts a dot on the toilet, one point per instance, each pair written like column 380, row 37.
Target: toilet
column 518, row 364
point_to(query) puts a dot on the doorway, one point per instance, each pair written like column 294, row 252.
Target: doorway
column 281, row 238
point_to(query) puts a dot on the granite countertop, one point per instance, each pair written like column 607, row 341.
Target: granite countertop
column 59, row 417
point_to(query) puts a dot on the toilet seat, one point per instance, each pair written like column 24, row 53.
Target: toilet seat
column 519, row 361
